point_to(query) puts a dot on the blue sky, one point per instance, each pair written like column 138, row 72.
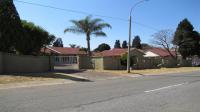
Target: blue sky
column 159, row 14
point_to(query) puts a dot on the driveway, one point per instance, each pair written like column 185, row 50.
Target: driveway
column 91, row 75
column 164, row 93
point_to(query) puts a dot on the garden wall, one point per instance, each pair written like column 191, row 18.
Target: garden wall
column 1, row 62
column 98, row 63
column 112, row 63
column 23, row 64
column 85, row 62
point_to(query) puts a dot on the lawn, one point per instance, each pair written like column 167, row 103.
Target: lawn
column 155, row 71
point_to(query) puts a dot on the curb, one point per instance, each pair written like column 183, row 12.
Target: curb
column 34, row 84
column 75, row 77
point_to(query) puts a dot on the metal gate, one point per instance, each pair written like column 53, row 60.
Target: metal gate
column 66, row 62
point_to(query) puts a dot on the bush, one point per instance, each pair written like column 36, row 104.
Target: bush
column 123, row 60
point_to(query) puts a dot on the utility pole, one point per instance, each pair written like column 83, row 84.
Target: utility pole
column 129, row 38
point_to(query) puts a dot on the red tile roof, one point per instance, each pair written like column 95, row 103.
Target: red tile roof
column 113, row 52
column 63, row 50
column 161, row 52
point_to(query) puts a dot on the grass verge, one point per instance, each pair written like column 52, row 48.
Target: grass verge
column 27, row 77
column 154, row 71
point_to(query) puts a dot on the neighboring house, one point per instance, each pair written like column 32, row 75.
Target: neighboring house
column 111, row 59
column 158, row 52
column 162, row 56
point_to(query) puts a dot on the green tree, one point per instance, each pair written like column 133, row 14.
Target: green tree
column 187, row 39
column 123, row 60
column 102, row 47
column 117, row 44
column 11, row 30
column 58, row 43
column 124, row 44
column 137, row 42
column 35, row 39
column 89, row 27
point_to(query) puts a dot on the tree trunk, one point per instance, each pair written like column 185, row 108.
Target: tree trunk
column 88, row 45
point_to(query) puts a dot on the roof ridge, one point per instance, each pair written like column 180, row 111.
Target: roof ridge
column 53, row 50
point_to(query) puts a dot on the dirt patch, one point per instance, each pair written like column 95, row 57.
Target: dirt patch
column 18, row 78
column 27, row 77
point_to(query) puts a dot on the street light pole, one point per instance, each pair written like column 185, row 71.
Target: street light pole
column 129, row 45
column 129, row 39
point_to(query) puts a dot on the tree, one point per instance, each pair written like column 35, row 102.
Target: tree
column 163, row 39
column 74, row 46
column 89, row 27
column 124, row 44
column 58, row 43
column 187, row 39
column 35, row 39
column 11, row 30
column 123, row 60
column 117, row 44
column 83, row 49
column 137, row 42
column 102, row 47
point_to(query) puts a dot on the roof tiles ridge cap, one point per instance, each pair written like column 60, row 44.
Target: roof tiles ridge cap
column 53, row 49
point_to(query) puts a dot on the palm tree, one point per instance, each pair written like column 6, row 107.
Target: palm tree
column 89, row 27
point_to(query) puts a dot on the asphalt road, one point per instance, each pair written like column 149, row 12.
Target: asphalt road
column 166, row 93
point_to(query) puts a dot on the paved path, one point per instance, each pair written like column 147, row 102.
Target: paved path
column 166, row 93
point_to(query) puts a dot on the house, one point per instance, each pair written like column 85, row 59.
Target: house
column 64, row 57
column 73, row 58
column 158, row 52
column 162, row 56
column 111, row 59
column 64, row 51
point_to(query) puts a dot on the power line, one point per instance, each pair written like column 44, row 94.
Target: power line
column 84, row 13
column 69, row 10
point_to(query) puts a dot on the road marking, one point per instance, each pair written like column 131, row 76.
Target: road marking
column 167, row 87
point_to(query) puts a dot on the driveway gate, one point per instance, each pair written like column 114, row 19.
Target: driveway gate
column 66, row 62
